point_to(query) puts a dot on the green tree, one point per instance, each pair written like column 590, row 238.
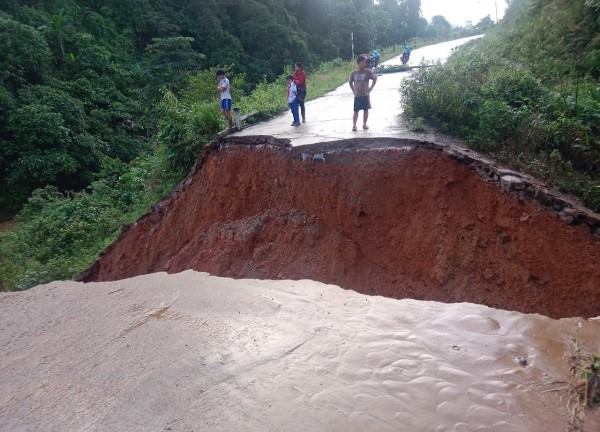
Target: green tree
column 412, row 15
column 24, row 54
column 439, row 27
column 484, row 25
column 170, row 60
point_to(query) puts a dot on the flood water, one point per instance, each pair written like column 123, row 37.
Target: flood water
column 193, row 352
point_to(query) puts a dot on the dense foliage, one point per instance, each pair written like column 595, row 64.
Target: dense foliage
column 527, row 93
column 59, row 235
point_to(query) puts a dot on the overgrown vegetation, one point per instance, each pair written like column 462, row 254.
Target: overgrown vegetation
column 59, row 235
column 527, row 94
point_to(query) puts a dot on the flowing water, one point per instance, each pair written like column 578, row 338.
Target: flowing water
column 193, row 352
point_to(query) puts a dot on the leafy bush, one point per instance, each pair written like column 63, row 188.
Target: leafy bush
column 184, row 129
column 24, row 54
column 58, row 235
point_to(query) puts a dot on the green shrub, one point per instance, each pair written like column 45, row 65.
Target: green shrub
column 185, row 129
column 58, row 235
column 24, row 54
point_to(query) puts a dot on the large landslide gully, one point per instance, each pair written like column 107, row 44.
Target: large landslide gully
column 390, row 217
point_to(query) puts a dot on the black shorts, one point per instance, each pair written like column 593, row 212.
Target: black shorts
column 362, row 103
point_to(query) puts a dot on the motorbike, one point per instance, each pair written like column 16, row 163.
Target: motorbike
column 372, row 63
column 405, row 58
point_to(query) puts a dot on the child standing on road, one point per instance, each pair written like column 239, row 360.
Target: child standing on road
column 359, row 83
column 225, row 89
column 293, row 100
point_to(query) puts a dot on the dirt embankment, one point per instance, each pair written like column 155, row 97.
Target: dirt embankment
column 391, row 217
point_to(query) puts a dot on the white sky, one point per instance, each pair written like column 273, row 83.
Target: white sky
column 460, row 11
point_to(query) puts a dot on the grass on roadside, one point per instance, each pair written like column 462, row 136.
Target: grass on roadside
column 527, row 93
column 584, row 385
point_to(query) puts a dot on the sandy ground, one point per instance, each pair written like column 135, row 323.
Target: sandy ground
column 191, row 352
column 329, row 118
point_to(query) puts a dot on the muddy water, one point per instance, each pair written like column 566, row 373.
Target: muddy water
column 193, row 352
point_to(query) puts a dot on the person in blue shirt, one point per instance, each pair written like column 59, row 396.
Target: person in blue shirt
column 375, row 57
column 292, row 94
column 406, row 53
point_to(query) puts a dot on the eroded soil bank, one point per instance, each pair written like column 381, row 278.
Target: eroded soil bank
column 397, row 218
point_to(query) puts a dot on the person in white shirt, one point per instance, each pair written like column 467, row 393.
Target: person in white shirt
column 225, row 88
column 293, row 100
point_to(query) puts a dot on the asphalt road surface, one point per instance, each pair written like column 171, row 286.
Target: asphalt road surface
column 329, row 117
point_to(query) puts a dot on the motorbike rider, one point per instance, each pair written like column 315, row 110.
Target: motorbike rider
column 406, row 53
column 374, row 59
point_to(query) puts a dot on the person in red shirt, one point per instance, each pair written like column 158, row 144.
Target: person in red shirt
column 300, row 80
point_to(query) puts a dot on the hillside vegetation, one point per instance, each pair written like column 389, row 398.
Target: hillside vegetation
column 528, row 93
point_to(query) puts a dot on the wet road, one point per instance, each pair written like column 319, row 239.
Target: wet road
column 329, row 117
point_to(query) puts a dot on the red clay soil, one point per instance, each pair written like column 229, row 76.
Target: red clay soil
column 390, row 218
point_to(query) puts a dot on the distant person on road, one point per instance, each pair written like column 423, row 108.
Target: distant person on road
column 406, row 53
column 300, row 80
column 225, row 89
column 376, row 56
column 359, row 83
column 293, row 100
